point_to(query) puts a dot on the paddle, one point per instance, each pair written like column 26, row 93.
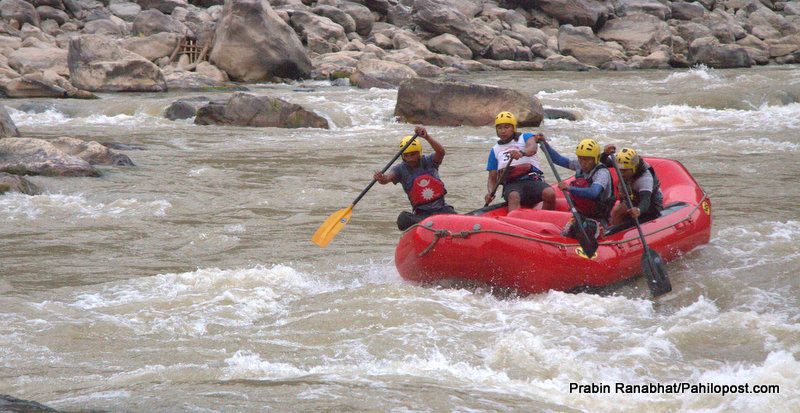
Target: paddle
column 652, row 265
column 499, row 181
column 588, row 244
column 340, row 218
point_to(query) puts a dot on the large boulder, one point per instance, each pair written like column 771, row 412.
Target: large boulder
column 244, row 109
column 31, row 156
column 7, row 126
column 254, row 44
column 152, row 47
column 47, row 84
column 590, row 13
column 582, row 44
column 637, row 31
column 27, row 60
column 380, row 73
column 454, row 103
column 98, row 64
column 709, row 51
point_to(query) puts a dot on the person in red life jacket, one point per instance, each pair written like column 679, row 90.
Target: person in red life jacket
column 419, row 176
column 592, row 190
column 524, row 184
column 643, row 186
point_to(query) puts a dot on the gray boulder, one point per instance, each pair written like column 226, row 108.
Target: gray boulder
column 19, row 10
column 254, row 44
column 710, row 52
column 244, row 109
column 428, row 102
column 92, row 152
column 99, row 64
column 30, row 156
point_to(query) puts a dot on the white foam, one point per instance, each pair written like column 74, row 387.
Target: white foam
column 55, row 206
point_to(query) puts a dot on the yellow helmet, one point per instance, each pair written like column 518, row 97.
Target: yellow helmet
column 506, row 117
column 627, row 159
column 415, row 146
column 589, row 147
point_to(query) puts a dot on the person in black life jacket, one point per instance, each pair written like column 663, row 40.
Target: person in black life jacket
column 643, row 186
column 524, row 184
column 419, row 176
column 592, row 190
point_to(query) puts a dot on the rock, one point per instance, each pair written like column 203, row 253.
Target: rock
column 551, row 113
column 686, row 11
column 47, row 12
column 566, row 63
column 152, row 47
column 254, row 44
column 7, row 126
column 388, row 74
column 30, row 156
column 27, row 60
column 152, row 21
column 450, row 45
column 180, row 109
column 337, row 16
column 164, row 6
column 244, row 109
column 512, row 64
column 581, row 43
column 19, row 10
column 16, row 183
column 361, row 15
column 99, row 64
column 710, row 52
column 636, row 32
column 125, row 11
column 13, row 404
column 591, row 13
column 452, row 104
column 92, row 152
column 190, row 81
column 309, row 25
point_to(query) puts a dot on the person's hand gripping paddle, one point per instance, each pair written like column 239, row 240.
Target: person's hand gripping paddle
column 340, row 218
column 588, row 244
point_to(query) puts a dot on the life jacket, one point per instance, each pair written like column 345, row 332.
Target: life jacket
column 426, row 188
column 640, row 170
column 594, row 208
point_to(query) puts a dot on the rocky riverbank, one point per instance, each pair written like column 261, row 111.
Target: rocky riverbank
column 78, row 48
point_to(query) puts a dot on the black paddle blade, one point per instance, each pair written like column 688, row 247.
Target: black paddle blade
column 655, row 273
column 588, row 243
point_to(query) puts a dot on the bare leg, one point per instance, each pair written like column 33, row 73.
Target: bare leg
column 618, row 214
column 514, row 200
column 549, row 198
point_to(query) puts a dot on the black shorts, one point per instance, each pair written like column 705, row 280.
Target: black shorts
column 406, row 219
column 530, row 191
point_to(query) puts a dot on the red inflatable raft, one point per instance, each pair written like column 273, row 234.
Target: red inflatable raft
column 523, row 250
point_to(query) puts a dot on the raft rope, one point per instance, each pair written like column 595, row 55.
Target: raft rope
column 443, row 233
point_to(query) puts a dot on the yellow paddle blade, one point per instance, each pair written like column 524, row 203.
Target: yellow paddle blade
column 331, row 226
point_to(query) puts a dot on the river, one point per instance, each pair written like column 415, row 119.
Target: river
column 189, row 282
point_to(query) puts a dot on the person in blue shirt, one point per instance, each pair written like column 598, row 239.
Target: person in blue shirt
column 524, row 184
column 592, row 190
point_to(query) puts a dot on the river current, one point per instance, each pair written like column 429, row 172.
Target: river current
column 189, row 282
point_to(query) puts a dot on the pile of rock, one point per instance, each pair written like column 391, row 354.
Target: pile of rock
column 71, row 48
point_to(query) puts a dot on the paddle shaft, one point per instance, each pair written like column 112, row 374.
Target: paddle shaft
column 656, row 274
column 499, row 181
column 628, row 198
column 385, row 168
column 572, row 208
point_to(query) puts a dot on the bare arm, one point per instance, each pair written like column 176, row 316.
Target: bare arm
column 384, row 179
column 438, row 149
